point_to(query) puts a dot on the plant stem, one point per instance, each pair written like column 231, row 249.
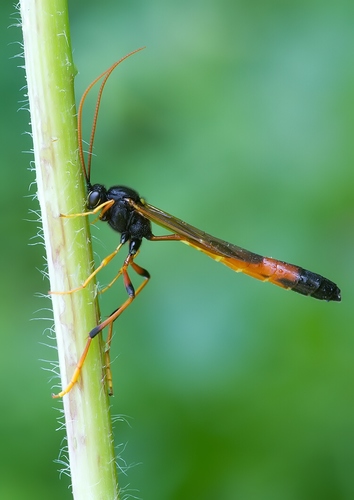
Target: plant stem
column 50, row 78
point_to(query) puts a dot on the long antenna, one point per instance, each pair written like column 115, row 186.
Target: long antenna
column 106, row 74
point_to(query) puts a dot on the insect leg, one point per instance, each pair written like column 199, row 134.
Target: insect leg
column 76, row 373
column 104, row 207
column 111, row 283
column 104, row 263
column 132, row 294
column 107, row 358
column 109, row 322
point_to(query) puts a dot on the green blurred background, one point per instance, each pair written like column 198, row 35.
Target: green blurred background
column 238, row 118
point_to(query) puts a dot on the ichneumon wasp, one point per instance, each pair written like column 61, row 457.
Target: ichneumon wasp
column 131, row 216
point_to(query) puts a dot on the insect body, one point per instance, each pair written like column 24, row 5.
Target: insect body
column 131, row 216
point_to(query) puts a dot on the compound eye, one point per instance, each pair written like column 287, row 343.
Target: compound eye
column 94, row 199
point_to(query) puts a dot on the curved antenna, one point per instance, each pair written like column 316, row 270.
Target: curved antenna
column 106, row 74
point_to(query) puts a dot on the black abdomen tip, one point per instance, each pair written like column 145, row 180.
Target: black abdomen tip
column 317, row 286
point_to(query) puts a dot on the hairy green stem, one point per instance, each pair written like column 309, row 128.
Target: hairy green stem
column 50, row 78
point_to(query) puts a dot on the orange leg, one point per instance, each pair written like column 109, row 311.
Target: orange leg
column 111, row 283
column 107, row 358
column 109, row 321
column 77, row 371
column 103, row 264
column 103, row 207
column 120, row 272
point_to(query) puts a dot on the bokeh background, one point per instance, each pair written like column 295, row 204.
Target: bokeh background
column 238, row 118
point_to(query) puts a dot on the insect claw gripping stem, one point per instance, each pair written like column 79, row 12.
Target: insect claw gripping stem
column 103, row 208
column 77, row 371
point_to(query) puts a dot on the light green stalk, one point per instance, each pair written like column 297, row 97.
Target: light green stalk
column 50, row 77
